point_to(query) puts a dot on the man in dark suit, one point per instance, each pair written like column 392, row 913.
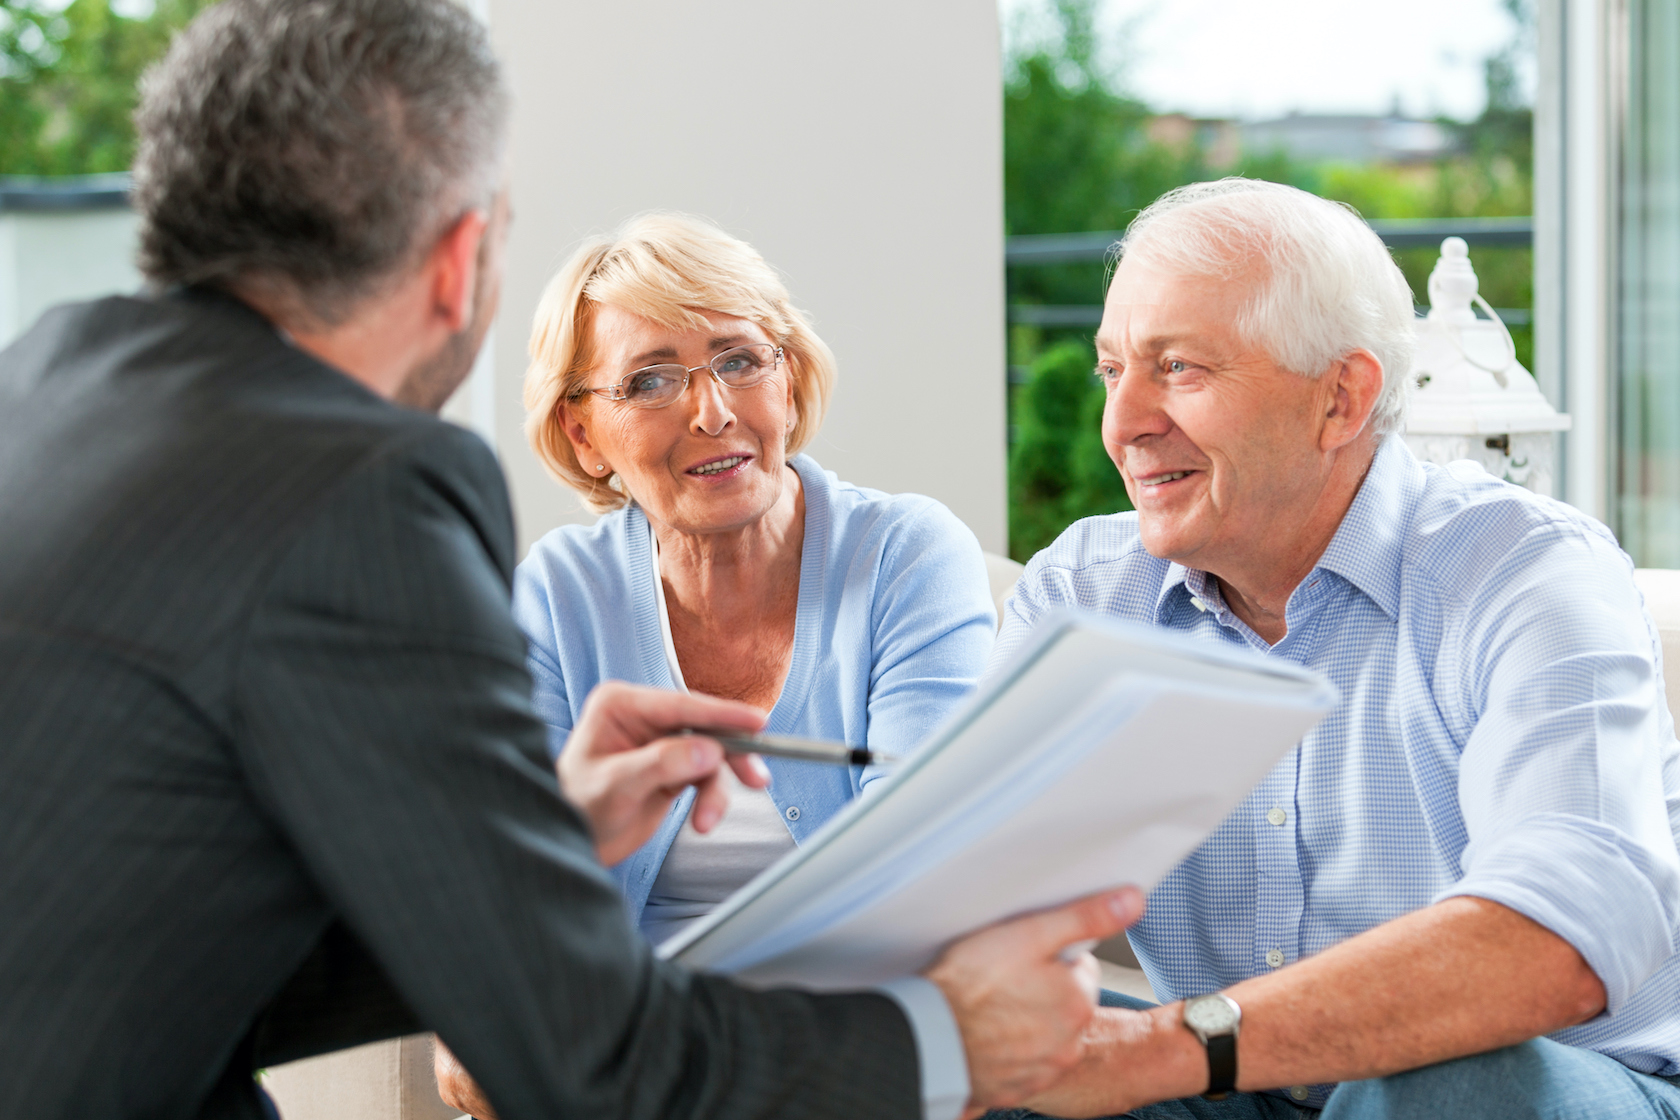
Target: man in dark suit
column 270, row 782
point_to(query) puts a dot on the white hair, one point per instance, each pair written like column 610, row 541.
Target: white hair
column 1327, row 284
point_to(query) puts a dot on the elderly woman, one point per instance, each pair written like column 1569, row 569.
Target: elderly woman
column 673, row 385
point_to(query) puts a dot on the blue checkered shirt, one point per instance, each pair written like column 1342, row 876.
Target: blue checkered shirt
column 1502, row 733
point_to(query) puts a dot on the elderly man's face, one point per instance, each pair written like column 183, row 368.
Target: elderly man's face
column 1218, row 445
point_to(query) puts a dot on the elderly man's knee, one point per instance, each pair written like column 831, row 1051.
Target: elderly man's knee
column 1517, row 1081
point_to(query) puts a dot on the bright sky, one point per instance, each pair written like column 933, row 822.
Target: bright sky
column 1263, row 58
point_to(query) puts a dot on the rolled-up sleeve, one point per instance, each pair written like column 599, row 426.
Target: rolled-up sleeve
column 1561, row 781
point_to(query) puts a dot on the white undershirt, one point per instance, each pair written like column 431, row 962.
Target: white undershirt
column 701, row 871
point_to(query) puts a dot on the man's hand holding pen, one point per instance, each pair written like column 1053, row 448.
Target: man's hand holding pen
column 635, row 749
column 628, row 759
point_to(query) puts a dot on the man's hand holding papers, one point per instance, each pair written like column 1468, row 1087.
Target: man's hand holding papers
column 1021, row 1004
column 1021, row 1001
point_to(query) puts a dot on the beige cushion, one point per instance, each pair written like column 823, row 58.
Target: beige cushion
column 389, row 1080
column 1661, row 588
column 1002, row 572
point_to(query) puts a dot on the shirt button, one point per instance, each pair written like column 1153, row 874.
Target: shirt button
column 1274, row 958
column 1300, row 1092
column 792, row 813
column 1276, row 815
column 1196, row 601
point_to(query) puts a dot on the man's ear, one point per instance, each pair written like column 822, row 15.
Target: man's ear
column 454, row 268
column 1357, row 385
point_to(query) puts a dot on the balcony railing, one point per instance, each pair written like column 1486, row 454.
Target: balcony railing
column 1401, row 233
column 1397, row 233
column 77, row 192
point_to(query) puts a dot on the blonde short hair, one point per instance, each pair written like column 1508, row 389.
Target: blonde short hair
column 668, row 268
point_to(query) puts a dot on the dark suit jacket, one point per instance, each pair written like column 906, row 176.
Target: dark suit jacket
column 265, row 727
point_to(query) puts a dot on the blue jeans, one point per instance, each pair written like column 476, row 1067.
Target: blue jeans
column 1537, row 1080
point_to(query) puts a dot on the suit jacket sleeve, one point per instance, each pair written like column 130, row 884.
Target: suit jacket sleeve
column 385, row 723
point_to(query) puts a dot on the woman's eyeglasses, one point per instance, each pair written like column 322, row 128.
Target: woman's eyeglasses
column 657, row 386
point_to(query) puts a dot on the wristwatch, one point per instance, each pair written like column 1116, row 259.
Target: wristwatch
column 1215, row 1020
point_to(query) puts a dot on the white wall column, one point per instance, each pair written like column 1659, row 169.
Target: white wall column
column 857, row 145
column 60, row 242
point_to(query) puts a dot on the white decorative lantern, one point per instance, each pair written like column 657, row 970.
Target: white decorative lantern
column 1474, row 400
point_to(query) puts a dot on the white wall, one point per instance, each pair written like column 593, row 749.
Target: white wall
column 858, row 145
column 56, row 256
column 877, row 190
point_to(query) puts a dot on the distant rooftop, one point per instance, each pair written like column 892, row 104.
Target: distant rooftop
column 1357, row 139
column 1348, row 137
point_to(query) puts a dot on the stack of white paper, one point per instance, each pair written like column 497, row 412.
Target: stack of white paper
column 1102, row 756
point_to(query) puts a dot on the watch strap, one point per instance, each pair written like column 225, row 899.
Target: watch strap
column 1222, row 1065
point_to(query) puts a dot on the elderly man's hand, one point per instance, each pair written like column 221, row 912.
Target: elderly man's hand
column 1022, row 1005
column 624, row 766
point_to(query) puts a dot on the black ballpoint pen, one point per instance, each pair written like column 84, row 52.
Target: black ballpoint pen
column 787, row 746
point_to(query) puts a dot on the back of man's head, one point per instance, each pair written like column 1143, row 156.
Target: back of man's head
column 308, row 150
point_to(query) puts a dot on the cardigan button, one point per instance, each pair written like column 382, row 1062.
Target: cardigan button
column 792, row 812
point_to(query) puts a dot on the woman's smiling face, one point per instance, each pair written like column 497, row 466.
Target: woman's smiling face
column 712, row 461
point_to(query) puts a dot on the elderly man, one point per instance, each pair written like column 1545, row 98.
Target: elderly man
column 1460, row 895
column 270, row 781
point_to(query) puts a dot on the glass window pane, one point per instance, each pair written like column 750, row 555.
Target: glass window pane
column 1648, row 479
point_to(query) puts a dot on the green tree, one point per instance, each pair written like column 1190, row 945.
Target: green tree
column 1055, row 408
column 68, row 81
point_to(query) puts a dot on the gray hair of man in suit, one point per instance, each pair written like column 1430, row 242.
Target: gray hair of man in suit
column 303, row 154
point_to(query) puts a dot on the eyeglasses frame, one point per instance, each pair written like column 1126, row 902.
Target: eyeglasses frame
column 615, row 391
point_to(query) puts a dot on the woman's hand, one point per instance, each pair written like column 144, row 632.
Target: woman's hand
column 456, row 1086
column 624, row 765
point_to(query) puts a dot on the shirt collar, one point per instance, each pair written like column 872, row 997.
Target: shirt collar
column 1366, row 549
column 1176, row 575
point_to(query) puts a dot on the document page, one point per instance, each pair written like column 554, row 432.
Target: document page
column 1101, row 756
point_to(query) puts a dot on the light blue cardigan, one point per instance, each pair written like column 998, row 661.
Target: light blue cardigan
column 895, row 623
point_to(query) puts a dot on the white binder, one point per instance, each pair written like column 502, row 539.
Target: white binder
column 1100, row 756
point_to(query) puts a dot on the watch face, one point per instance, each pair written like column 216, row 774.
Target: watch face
column 1211, row 1015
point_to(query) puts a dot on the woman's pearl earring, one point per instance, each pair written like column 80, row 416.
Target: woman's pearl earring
column 600, row 466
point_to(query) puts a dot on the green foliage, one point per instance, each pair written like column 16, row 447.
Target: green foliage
column 1079, row 156
column 68, row 82
column 1059, row 470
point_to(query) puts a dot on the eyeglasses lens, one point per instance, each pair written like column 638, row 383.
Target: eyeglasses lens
column 740, row 368
column 744, row 365
column 654, row 386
